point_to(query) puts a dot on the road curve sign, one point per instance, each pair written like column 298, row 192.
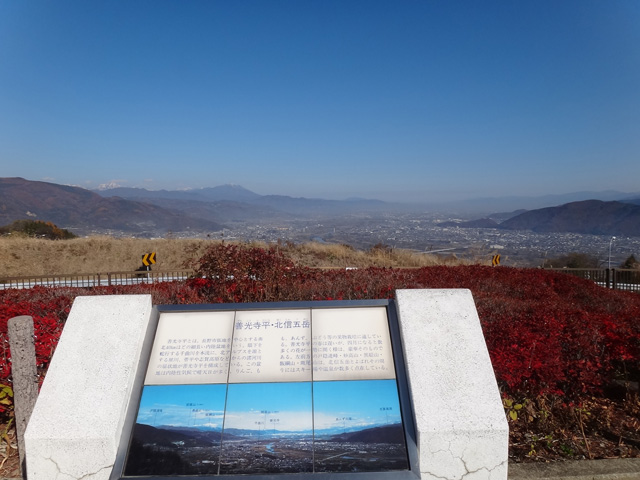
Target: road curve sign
column 149, row 259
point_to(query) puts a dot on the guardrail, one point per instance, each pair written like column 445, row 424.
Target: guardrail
column 95, row 279
column 615, row 278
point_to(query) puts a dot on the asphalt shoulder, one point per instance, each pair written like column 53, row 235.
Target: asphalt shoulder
column 609, row 469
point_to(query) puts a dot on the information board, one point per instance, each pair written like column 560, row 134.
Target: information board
column 264, row 390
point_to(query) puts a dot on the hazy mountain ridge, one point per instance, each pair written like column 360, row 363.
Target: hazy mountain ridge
column 221, row 211
column 590, row 217
column 480, row 223
column 318, row 206
column 283, row 204
column 230, row 200
column 209, row 194
column 151, row 213
column 502, row 216
column 82, row 210
column 593, row 217
column 484, row 205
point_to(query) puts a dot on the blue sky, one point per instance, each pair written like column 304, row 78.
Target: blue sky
column 411, row 100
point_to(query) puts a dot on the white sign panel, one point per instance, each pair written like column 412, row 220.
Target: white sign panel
column 271, row 346
column 352, row 344
column 191, row 348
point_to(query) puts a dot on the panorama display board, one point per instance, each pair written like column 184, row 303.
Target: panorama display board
column 292, row 388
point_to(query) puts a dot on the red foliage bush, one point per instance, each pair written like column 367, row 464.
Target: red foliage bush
column 546, row 332
column 49, row 309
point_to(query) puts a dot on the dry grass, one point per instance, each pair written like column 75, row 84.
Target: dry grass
column 326, row 255
column 20, row 256
column 29, row 256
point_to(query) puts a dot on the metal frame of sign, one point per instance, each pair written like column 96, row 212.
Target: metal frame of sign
column 406, row 409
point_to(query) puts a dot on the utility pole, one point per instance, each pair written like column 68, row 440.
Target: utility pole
column 610, row 242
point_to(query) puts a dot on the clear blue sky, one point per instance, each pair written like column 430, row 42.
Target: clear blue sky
column 408, row 100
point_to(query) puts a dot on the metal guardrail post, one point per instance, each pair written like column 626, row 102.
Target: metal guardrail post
column 614, row 280
column 608, row 277
column 109, row 279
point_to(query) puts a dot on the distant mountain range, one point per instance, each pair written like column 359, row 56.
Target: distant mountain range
column 480, row 223
column 235, row 203
column 166, row 435
column 83, row 210
column 498, row 204
column 234, row 193
column 590, row 216
column 140, row 212
column 587, row 217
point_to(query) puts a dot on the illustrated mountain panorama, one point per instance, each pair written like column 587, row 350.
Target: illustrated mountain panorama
column 140, row 212
column 167, row 435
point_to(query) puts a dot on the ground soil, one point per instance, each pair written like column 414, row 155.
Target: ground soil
column 9, row 458
column 597, row 428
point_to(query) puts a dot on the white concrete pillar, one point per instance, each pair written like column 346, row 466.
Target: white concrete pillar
column 462, row 431
column 77, row 422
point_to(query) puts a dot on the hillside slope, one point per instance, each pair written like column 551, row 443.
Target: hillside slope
column 83, row 211
column 588, row 217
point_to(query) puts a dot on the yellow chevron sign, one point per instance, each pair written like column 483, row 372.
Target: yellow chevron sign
column 148, row 259
column 496, row 260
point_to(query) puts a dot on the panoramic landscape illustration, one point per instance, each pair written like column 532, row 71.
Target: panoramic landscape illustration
column 268, row 428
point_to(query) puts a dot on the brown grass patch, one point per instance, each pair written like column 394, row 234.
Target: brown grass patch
column 21, row 256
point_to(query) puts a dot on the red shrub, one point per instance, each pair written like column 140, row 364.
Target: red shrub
column 546, row 332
